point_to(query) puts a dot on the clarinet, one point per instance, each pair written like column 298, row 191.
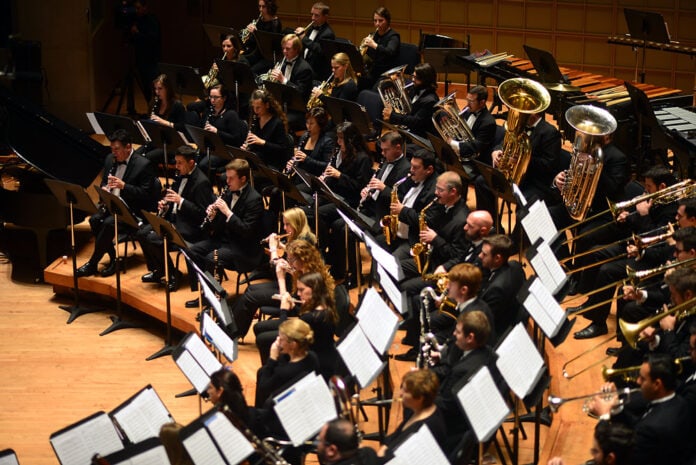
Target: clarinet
column 155, row 106
column 209, row 219
column 332, row 161
column 112, row 171
column 371, row 191
column 209, row 114
column 163, row 211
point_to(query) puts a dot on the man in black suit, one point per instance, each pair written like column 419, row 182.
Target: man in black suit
column 318, row 30
column 482, row 125
column 235, row 220
column 612, row 445
column 184, row 206
column 687, row 389
column 296, row 73
column 664, row 428
column 339, row 444
column 478, row 226
column 503, row 282
column 423, row 99
column 131, row 177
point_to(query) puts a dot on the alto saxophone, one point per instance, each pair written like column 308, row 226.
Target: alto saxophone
column 390, row 223
column 420, row 247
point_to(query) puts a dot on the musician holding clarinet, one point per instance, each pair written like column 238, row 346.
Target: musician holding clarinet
column 315, row 147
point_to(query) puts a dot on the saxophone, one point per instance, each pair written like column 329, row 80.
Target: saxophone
column 421, row 247
column 390, row 223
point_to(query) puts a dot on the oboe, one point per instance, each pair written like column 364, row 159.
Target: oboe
column 208, row 219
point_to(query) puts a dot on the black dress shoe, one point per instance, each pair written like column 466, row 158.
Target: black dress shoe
column 612, row 351
column 409, row 356
column 572, row 310
column 151, row 277
column 174, row 284
column 110, row 270
column 593, row 330
column 86, row 270
column 192, row 303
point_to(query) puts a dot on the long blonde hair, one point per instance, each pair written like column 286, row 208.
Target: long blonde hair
column 343, row 60
column 297, row 218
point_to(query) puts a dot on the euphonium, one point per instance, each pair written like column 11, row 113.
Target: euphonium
column 392, row 90
column 210, row 79
column 390, row 223
column 448, row 121
column 523, row 97
column 244, row 34
column 325, row 88
column 420, row 247
column 591, row 124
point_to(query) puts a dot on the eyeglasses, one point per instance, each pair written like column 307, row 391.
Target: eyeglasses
column 215, row 97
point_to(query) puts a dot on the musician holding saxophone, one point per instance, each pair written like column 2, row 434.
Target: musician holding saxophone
column 317, row 30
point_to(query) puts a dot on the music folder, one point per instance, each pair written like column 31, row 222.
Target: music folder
column 647, row 26
column 419, row 447
column 117, row 206
column 542, row 307
column 213, row 439
column 186, row 79
column 236, row 75
column 8, row 457
column 483, row 404
column 151, row 452
column 332, row 47
column 107, row 124
column 216, row 34
column 546, row 266
column 519, row 361
column 195, row 361
column 288, row 96
column 208, row 141
column 545, row 65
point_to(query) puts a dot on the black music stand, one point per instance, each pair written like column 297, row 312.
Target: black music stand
column 208, row 141
column 168, row 233
column 238, row 73
column 255, row 163
column 186, row 79
column 409, row 136
column 73, row 197
column 163, row 137
column 648, row 27
column 444, row 60
column 499, row 185
column 450, row 159
column 545, row 65
column 268, row 44
column 111, row 123
column 216, row 34
column 346, row 110
column 118, row 208
column 289, row 97
column 332, row 47
column 285, row 185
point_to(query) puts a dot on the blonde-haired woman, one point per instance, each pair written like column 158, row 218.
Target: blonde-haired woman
column 345, row 81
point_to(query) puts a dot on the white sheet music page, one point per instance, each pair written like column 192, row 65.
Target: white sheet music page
column 9, row 459
column 519, row 361
column 202, row 354
column 193, row 371
column 394, row 294
column 304, row 410
column 422, row 448
column 78, row 445
column 359, row 356
column 213, row 300
column 537, row 223
column 201, row 448
column 483, row 404
column 143, row 417
column 219, row 338
column 155, row 456
column 94, row 123
column 377, row 321
column 544, row 309
column 384, row 258
column 547, row 267
column 233, row 444
column 351, row 224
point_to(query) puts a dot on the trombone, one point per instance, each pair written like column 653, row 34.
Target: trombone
column 629, row 374
column 555, row 402
column 631, row 331
column 568, row 376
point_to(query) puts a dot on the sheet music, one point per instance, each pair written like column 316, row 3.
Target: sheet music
column 304, row 410
column 202, row 354
column 143, row 132
column 213, row 300
column 353, row 227
column 519, row 361
column 9, row 459
column 219, row 338
column 521, row 199
column 193, row 371
column 94, row 123
column 483, row 405
column 384, row 258
column 420, row 447
column 202, row 450
column 233, row 444
column 143, row 417
column 77, row 446
column 359, row 356
column 544, row 309
column 377, row 321
column 537, row 223
column 155, row 456
column 547, row 267
column 394, row 294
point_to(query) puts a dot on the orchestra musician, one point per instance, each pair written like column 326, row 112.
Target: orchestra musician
column 267, row 21
column 345, row 83
column 225, row 390
column 315, row 147
column 423, row 99
column 319, row 29
column 382, row 48
column 184, row 206
column 611, row 445
column 268, row 130
column 482, row 125
column 167, row 110
column 131, row 177
column 339, row 444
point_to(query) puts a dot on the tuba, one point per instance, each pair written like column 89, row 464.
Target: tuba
column 392, row 90
column 591, row 124
column 449, row 122
column 523, row 97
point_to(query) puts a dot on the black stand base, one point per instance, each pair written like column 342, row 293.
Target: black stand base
column 166, row 350
column 190, row 392
column 116, row 324
column 76, row 311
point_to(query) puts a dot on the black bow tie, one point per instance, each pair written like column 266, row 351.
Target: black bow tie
column 185, row 176
column 121, row 163
column 236, row 192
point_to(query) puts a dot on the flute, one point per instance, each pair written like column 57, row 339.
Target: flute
column 292, row 299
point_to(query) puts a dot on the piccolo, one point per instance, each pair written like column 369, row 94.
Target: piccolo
column 293, row 300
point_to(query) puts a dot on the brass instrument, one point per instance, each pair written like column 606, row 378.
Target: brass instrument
column 304, row 30
column 363, row 44
column 325, row 87
column 210, row 79
column 244, row 34
column 556, row 402
column 523, row 97
column 390, row 223
column 268, row 76
column 449, row 122
column 348, row 406
column 208, row 219
column 420, row 247
column 569, row 376
column 629, row 374
column 392, row 90
column 591, row 124
column 631, row 331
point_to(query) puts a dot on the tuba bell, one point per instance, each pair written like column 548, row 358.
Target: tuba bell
column 449, row 122
column 591, row 124
column 523, row 97
column 392, row 90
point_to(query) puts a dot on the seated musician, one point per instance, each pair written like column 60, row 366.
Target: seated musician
column 612, row 445
column 663, row 428
column 166, row 110
column 381, row 48
column 482, row 125
column 296, row 73
column 423, row 98
column 225, row 391
column 184, row 206
column 231, row 48
column 647, row 217
column 268, row 130
column 418, row 391
column 318, row 30
column 133, row 179
column 687, row 389
column 267, row 22
column 339, row 444
column 345, row 83
column 315, row 147
column 235, row 222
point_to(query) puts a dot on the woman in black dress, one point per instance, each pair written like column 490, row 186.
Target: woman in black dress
column 268, row 131
column 315, row 147
column 166, row 110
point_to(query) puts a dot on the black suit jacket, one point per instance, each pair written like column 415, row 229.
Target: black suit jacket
column 449, row 245
column 484, row 136
column 409, row 215
column 197, row 195
column 380, row 207
column 500, row 293
column 318, row 158
column 545, row 162
column 301, row 77
column 419, row 121
column 613, row 178
column 354, row 175
column 319, row 62
column 140, row 191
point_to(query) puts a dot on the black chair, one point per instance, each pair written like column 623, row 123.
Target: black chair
column 409, row 55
